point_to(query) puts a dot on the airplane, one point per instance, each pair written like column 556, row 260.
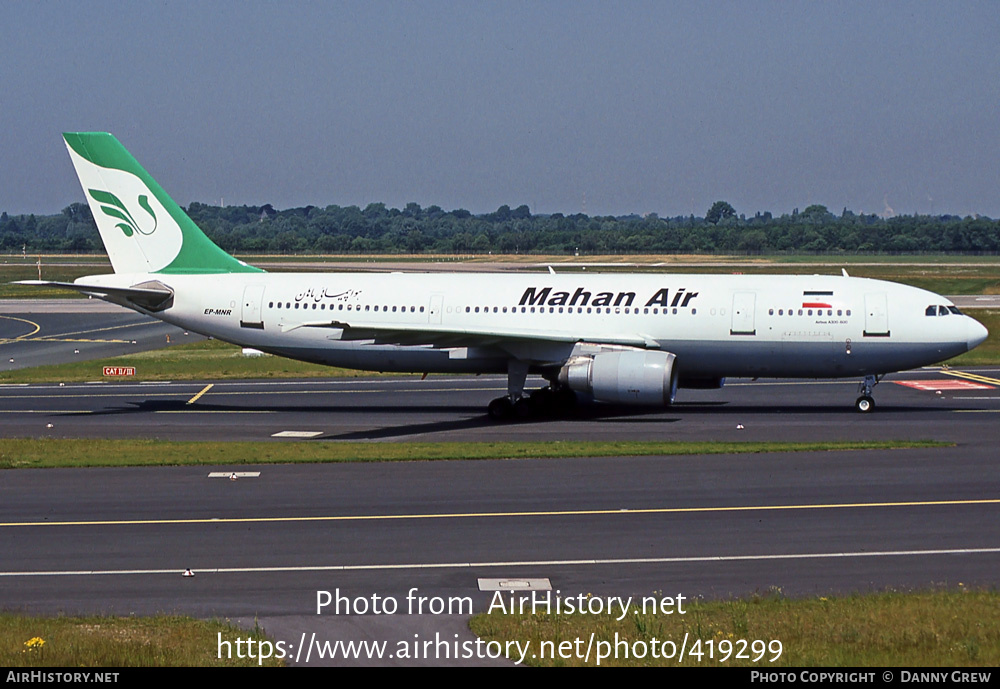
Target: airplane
column 627, row 339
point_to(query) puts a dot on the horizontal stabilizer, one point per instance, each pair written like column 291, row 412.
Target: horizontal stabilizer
column 150, row 296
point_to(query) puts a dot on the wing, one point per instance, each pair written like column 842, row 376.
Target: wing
column 465, row 336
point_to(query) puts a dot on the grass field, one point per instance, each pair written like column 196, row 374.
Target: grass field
column 18, row 453
column 115, row 642
column 957, row 628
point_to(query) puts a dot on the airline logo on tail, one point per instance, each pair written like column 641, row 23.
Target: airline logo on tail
column 151, row 234
column 112, row 205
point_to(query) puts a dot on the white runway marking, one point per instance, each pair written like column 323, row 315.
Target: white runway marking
column 515, row 585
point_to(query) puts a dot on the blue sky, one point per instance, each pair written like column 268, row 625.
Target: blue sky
column 600, row 107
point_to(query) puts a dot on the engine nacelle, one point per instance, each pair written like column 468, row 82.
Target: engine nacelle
column 624, row 377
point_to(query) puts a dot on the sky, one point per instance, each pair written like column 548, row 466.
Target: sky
column 605, row 108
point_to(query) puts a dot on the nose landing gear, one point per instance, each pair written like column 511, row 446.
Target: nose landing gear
column 866, row 403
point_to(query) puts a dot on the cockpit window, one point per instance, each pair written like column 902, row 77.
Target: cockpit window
column 954, row 310
column 931, row 311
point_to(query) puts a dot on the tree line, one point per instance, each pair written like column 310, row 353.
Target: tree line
column 377, row 229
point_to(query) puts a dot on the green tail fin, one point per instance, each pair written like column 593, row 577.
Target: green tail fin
column 143, row 229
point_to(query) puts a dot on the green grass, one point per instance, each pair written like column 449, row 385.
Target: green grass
column 81, row 642
column 926, row 629
column 16, row 269
column 16, row 453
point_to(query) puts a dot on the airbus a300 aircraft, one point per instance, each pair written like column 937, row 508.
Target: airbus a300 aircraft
column 626, row 339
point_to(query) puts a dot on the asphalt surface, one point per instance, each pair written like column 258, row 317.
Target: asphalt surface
column 263, row 547
column 40, row 332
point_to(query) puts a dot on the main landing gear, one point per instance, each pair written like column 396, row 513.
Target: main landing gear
column 554, row 399
column 866, row 403
column 548, row 401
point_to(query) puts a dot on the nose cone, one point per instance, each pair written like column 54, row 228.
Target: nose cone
column 976, row 333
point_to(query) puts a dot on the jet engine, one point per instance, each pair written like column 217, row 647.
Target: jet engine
column 624, row 377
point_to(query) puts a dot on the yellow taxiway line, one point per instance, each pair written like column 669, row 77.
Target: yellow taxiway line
column 487, row 515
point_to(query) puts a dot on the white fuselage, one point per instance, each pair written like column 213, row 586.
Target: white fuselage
column 716, row 325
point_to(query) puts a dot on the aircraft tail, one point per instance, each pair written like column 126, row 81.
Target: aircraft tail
column 143, row 229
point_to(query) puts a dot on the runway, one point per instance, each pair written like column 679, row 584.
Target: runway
column 934, row 404
column 261, row 547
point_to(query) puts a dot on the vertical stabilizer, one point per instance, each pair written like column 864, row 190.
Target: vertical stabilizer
column 143, row 229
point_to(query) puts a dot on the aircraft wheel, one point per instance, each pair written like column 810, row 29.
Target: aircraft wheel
column 524, row 408
column 500, row 409
column 541, row 400
column 864, row 404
